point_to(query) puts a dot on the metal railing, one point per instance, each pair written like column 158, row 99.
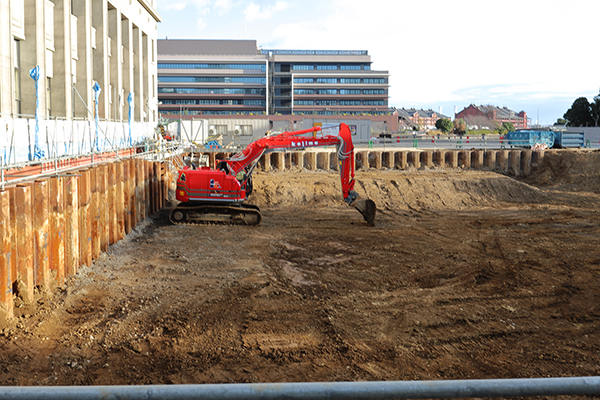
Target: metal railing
column 444, row 389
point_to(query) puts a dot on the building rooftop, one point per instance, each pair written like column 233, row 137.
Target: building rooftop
column 501, row 112
column 316, row 52
column 409, row 112
column 207, row 47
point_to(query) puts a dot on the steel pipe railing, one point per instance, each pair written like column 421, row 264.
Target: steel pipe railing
column 318, row 390
column 14, row 179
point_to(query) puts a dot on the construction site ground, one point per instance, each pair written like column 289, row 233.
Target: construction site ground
column 466, row 275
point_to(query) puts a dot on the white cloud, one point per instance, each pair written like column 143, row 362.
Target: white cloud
column 200, row 24
column 223, row 6
column 254, row 11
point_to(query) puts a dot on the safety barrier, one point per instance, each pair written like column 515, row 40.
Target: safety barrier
column 52, row 226
column 443, row 389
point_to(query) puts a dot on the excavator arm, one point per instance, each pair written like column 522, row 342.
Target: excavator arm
column 246, row 160
column 208, row 194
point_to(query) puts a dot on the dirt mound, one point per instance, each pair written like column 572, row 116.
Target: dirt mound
column 395, row 190
column 569, row 171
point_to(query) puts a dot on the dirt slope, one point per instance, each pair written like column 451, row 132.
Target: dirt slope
column 465, row 275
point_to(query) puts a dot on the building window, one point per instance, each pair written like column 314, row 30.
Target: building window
column 300, row 67
column 350, row 80
column 211, row 90
column 373, row 103
column 243, row 130
column 327, row 67
column 349, row 91
column 326, row 102
column 327, row 80
column 303, row 91
column 217, row 130
column 260, row 67
column 17, row 75
column 326, row 91
column 373, row 91
column 211, row 79
column 304, row 80
column 374, row 80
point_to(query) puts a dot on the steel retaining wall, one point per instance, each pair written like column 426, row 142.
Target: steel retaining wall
column 52, row 226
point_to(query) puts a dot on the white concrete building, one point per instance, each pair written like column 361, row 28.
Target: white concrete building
column 77, row 43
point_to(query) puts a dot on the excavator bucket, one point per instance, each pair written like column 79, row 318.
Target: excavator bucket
column 367, row 208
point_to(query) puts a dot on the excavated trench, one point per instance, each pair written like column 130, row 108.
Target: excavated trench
column 466, row 274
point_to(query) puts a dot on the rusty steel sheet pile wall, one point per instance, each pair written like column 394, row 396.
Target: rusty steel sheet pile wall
column 51, row 227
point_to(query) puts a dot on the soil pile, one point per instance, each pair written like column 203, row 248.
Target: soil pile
column 569, row 171
column 396, row 190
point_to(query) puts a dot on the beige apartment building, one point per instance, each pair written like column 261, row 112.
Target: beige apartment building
column 77, row 43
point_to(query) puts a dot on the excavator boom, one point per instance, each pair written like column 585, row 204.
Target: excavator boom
column 218, row 195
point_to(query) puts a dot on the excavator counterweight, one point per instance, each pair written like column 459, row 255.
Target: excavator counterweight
column 219, row 195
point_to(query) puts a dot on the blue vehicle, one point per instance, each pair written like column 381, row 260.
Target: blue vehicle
column 528, row 139
column 568, row 139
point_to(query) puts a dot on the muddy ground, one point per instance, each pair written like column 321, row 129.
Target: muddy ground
column 467, row 274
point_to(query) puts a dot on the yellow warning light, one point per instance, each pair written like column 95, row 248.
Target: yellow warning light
column 181, row 193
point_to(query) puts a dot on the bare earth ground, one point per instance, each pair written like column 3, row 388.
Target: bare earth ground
column 467, row 274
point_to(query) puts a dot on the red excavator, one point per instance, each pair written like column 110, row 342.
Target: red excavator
column 219, row 195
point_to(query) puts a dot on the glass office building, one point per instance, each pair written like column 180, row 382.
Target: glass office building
column 235, row 77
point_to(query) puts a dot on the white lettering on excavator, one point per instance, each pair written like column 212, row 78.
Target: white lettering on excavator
column 304, row 144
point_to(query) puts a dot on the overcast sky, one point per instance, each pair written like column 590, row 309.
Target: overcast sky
column 531, row 55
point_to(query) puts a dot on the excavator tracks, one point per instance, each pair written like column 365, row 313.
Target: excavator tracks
column 239, row 214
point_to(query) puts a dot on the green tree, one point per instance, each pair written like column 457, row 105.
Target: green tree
column 508, row 126
column 444, row 125
column 560, row 121
column 595, row 110
column 460, row 126
column 580, row 113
